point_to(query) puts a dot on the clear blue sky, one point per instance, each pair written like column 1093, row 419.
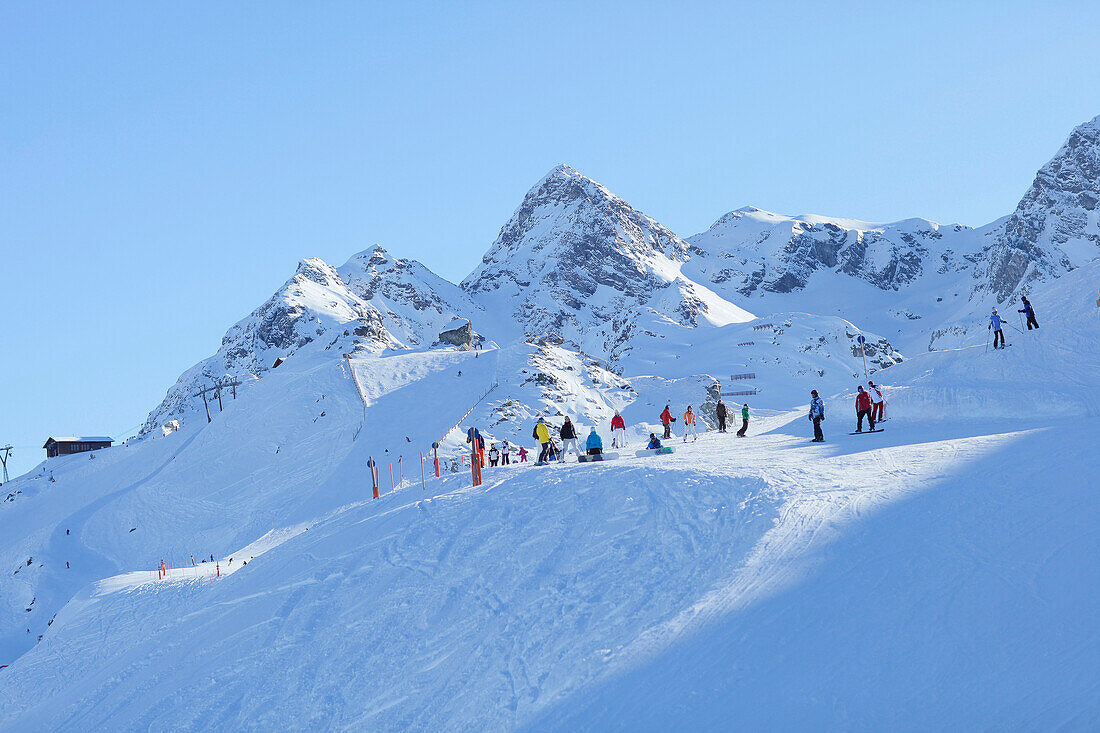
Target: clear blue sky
column 163, row 166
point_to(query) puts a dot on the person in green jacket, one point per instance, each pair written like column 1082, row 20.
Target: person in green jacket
column 744, row 422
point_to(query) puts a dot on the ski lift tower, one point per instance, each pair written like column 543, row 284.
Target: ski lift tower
column 863, row 352
column 4, row 453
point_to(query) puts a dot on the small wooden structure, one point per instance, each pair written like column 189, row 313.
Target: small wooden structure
column 67, row 446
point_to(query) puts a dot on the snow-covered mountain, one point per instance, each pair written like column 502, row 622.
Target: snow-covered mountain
column 373, row 302
column 1056, row 226
column 898, row 279
column 578, row 264
column 734, row 580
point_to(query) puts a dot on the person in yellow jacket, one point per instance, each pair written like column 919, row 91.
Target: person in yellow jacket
column 542, row 435
column 689, row 425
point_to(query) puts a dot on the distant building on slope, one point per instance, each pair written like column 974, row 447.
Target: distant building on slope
column 67, row 446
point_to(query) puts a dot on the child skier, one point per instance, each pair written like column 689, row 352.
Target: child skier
column 863, row 408
column 689, row 425
column 744, row 422
column 618, row 431
column 817, row 414
column 522, row 454
column 995, row 324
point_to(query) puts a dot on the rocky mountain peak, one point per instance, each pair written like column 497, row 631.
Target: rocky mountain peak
column 1056, row 225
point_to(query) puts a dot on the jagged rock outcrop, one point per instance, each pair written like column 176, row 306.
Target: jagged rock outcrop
column 1056, row 225
column 751, row 251
column 575, row 262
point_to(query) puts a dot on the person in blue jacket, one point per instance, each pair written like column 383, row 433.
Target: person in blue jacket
column 996, row 324
column 594, row 445
column 654, row 442
column 1029, row 312
column 817, row 414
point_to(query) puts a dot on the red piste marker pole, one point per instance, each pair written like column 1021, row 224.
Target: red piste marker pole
column 373, row 468
column 391, row 475
column 423, row 481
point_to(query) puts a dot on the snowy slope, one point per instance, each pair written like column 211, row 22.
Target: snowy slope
column 785, row 585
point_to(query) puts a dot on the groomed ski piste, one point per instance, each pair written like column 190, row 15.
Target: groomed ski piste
column 939, row 575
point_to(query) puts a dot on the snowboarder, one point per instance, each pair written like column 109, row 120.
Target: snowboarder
column 522, row 454
column 568, row 438
column 494, row 454
column 618, row 431
column 877, row 402
column 505, row 450
column 594, row 445
column 720, row 411
column 817, row 414
column 1028, row 311
column 689, row 425
column 995, row 324
column 863, row 408
column 744, row 422
column 667, row 419
column 541, row 433
column 654, row 442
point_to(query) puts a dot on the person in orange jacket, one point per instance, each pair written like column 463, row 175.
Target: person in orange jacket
column 667, row 419
column 689, row 425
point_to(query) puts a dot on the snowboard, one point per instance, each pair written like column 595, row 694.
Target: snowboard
column 662, row 451
column 876, row 430
column 600, row 457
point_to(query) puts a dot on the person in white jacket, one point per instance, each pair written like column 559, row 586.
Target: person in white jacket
column 877, row 401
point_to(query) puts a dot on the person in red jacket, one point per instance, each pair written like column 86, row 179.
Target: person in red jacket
column 863, row 408
column 667, row 419
column 618, row 431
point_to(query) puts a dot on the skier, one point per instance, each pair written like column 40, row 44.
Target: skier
column 667, row 419
column 876, row 400
column 817, row 414
column 744, row 422
column 689, row 425
column 594, row 445
column 1028, row 311
column 541, row 433
column 522, row 454
column 720, row 411
column 505, row 450
column 618, row 431
column 863, row 408
column 995, row 325
column 654, row 442
column 568, row 438
column 494, row 455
